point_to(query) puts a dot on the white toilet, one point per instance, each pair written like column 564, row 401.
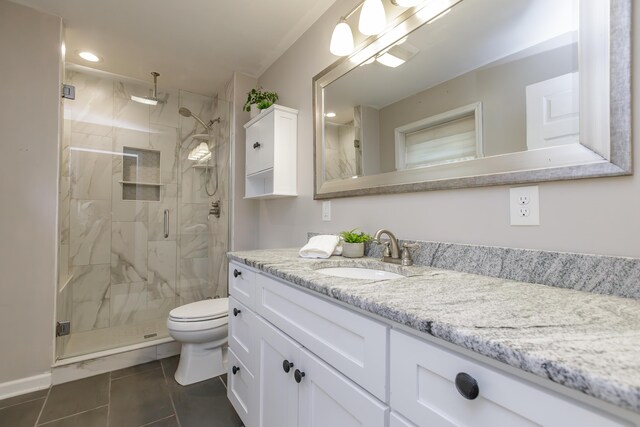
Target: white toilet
column 201, row 327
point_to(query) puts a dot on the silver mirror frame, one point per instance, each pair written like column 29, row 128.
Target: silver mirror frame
column 620, row 134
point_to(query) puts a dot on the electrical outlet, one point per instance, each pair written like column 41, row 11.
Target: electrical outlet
column 326, row 211
column 524, row 205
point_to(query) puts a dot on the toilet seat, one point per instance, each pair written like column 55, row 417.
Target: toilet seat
column 201, row 311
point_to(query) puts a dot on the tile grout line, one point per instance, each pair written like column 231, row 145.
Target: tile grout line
column 43, row 405
column 173, row 405
column 109, row 400
column 161, row 419
column 71, row 415
column 21, row 403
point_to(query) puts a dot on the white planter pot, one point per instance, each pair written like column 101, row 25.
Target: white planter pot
column 254, row 110
column 352, row 250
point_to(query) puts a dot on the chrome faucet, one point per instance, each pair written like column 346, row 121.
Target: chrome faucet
column 391, row 251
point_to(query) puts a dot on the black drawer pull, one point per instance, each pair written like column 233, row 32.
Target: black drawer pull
column 236, row 273
column 235, row 370
column 298, row 375
column 286, row 365
column 467, row 386
column 236, row 311
column 256, row 145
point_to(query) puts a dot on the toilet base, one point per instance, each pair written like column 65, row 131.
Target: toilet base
column 199, row 362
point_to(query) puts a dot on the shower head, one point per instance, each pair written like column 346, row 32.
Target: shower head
column 153, row 99
column 185, row 112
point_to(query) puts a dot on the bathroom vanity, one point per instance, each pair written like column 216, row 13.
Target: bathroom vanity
column 435, row 347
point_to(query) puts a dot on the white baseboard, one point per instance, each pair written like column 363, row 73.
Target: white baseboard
column 25, row 385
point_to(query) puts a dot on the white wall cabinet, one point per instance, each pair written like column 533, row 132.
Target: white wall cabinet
column 271, row 153
column 297, row 359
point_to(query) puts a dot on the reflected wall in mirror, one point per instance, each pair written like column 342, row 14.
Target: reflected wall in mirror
column 481, row 93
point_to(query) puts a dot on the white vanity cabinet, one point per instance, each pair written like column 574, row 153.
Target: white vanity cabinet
column 290, row 383
column 299, row 359
column 271, row 153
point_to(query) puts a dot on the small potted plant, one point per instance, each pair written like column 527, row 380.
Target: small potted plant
column 258, row 99
column 353, row 243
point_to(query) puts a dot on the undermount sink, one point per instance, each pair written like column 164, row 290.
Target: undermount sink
column 359, row 273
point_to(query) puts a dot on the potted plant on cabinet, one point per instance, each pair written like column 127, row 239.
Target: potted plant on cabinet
column 258, row 99
column 353, row 243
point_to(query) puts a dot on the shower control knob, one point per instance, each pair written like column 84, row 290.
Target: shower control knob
column 298, row 375
column 236, row 273
column 286, row 365
column 235, row 370
column 236, row 311
column 256, row 145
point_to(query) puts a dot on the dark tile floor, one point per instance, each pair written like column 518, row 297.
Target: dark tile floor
column 143, row 395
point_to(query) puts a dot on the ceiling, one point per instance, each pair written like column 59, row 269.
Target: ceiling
column 194, row 44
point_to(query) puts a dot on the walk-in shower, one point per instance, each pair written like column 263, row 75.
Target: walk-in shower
column 136, row 237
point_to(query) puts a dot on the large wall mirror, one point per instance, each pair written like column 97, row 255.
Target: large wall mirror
column 464, row 93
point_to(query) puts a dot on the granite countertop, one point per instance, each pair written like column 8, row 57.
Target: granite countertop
column 584, row 341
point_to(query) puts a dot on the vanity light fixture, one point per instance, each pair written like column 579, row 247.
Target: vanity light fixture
column 390, row 60
column 330, row 114
column 373, row 21
column 342, row 39
column 373, row 18
column 89, row 56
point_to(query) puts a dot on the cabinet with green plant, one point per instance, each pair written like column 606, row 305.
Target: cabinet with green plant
column 259, row 99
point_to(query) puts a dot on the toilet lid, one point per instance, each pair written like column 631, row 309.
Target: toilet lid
column 201, row 310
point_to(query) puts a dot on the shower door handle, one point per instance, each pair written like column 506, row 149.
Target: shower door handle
column 166, row 223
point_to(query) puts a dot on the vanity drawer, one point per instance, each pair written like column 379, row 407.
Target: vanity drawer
column 423, row 389
column 397, row 420
column 241, row 390
column 242, row 333
column 353, row 344
column 242, row 284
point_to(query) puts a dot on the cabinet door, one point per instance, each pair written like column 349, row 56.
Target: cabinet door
column 278, row 392
column 241, row 390
column 266, row 128
column 252, row 154
column 328, row 398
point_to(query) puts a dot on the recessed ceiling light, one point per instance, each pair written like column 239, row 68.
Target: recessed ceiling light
column 330, row 114
column 88, row 56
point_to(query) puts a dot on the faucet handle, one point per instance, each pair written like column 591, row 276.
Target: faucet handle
column 406, row 255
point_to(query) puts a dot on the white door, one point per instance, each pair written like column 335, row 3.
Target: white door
column 553, row 112
column 241, row 389
column 328, row 398
column 278, row 401
column 252, row 154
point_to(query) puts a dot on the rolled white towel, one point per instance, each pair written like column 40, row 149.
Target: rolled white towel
column 322, row 246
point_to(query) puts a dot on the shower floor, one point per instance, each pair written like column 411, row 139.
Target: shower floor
column 81, row 343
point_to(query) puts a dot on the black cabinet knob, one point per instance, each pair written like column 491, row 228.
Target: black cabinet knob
column 298, row 375
column 256, row 145
column 236, row 273
column 467, row 386
column 235, row 370
column 286, row 365
column 236, row 311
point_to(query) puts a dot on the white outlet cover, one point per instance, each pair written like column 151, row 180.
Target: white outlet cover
column 516, row 207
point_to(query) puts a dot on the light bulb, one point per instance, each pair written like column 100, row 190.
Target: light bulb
column 373, row 19
column 341, row 39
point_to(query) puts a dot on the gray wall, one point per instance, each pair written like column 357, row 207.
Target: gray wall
column 597, row 216
column 29, row 109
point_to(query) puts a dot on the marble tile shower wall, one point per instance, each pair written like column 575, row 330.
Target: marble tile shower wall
column 119, row 267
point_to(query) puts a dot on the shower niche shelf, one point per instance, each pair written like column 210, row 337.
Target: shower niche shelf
column 140, row 174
